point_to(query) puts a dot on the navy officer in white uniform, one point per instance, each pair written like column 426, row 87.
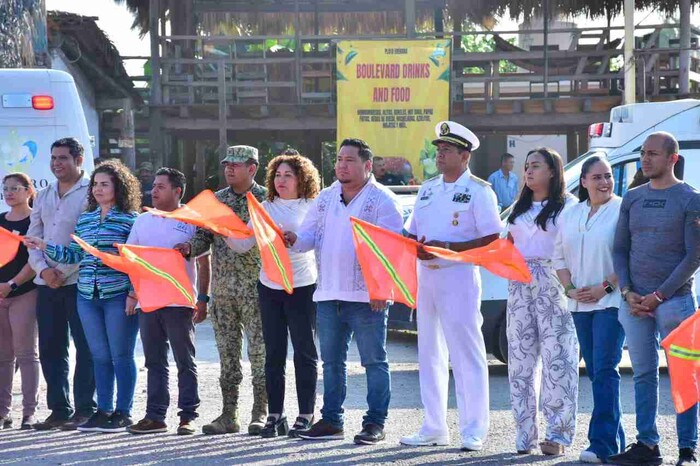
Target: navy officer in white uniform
column 456, row 211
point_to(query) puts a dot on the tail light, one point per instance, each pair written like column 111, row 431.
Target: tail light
column 600, row 130
column 42, row 102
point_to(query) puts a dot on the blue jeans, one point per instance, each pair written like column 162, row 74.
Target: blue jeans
column 601, row 338
column 336, row 321
column 643, row 344
column 111, row 335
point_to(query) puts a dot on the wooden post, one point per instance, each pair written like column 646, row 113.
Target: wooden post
column 684, row 57
column 200, row 163
column 297, row 50
column 630, row 75
column 127, row 136
column 155, row 136
column 410, row 10
column 572, row 144
column 223, row 136
column 546, row 48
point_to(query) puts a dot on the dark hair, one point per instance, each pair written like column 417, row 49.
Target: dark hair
column 377, row 158
column 127, row 189
column 362, row 147
column 175, row 177
column 556, row 197
column 309, row 179
column 506, row 156
column 290, row 151
column 74, row 147
column 25, row 181
column 583, row 194
column 669, row 143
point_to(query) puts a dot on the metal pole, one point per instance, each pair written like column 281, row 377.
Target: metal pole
column 630, row 75
column 684, row 57
column 546, row 48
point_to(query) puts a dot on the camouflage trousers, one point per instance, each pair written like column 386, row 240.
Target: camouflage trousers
column 231, row 317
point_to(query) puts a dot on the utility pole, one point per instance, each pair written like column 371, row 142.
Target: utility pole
column 630, row 75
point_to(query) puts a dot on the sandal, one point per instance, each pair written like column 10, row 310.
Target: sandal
column 551, row 448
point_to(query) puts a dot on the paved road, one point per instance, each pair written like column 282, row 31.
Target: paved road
column 72, row 448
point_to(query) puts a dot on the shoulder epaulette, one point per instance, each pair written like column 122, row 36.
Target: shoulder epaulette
column 479, row 181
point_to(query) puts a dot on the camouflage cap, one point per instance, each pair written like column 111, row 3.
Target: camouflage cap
column 240, row 154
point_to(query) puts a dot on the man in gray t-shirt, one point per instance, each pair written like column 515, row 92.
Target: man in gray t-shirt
column 656, row 254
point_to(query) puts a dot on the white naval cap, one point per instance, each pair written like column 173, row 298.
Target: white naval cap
column 454, row 133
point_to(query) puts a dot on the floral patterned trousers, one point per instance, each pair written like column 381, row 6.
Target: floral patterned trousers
column 543, row 353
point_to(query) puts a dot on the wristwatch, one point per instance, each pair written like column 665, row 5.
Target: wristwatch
column 13, row 285
column 203, row 298
column 624, row 292
column 608, row 287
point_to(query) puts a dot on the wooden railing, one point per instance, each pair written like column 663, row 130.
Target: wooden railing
column 273, row 70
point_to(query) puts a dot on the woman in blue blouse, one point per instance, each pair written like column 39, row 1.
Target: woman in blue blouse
column 110, row 325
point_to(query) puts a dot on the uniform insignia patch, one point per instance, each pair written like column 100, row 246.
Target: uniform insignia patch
column 462, row 198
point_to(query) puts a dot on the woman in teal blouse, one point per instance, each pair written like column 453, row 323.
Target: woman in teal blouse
column 110, row 325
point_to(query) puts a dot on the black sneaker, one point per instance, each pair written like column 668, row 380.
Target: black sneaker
column 371, row 434
column 301, row 425
column 686, row 457
column 118, row 422
column 5, row 422
column 96, row 423
column 275, row 427
column 638, row 454
column 323, row 431
column 54, row 421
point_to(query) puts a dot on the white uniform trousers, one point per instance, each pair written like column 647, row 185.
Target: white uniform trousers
column 449, row 328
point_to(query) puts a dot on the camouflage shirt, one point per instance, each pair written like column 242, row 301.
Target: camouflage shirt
column 233, row 274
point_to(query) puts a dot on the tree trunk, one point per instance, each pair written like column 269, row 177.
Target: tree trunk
column 23, row 40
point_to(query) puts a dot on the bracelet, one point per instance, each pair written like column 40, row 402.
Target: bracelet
column 568, row 288
column 658, row 296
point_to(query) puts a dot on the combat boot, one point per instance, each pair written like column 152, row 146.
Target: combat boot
column 259, row 413
column 224, row 424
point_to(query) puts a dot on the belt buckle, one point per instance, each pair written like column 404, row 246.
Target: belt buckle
column 433, row 267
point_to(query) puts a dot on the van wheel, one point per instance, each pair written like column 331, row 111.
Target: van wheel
column 502, row 342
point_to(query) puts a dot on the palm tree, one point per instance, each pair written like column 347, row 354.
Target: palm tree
column 23, row 41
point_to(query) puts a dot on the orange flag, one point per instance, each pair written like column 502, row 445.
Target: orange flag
column 158, row 275
column 9, row 246
column 683, row 355
column 273, row 252
column 388, row 261
column 499, row 257
column 206, row 211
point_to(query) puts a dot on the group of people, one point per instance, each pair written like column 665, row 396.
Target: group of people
column 605, row 270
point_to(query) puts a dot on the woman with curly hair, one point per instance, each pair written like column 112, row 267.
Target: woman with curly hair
column 292, row 183
column 110, row 324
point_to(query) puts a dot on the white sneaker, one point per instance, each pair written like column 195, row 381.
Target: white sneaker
column 472, row 443
column 420, row 440
column 589, row 457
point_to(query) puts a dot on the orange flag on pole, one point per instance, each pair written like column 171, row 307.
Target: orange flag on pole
column 683, row 355
column 9, row 246
column 499, row 257
column 388, row 261
column 273, row 252
column 206, row 211
column 158, row 275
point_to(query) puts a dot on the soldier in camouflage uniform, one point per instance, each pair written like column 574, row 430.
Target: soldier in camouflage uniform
column 235, row 298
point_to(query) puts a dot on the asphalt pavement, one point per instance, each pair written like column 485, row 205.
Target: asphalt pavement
column 405, row 416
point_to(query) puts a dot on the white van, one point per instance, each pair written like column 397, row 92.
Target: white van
column 620, row 141
column 38, row 107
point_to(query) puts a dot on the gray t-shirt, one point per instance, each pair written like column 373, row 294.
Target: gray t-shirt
column 657, row 241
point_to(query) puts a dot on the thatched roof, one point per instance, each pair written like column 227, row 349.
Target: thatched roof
column 273, row 16
column 83, row 41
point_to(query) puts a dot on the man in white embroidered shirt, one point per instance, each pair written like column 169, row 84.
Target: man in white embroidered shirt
column 343, row 302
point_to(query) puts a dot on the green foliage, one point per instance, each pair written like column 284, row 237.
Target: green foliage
column 427, row 159
column 483, row 43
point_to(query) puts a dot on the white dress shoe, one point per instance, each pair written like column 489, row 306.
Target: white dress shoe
column 472, row 443
column 420, row 440
column 589, row 457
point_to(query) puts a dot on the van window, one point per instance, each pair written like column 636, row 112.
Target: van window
column 624, row 175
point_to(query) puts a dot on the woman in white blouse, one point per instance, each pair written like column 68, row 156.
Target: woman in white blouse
column 542, row 346
column 583, row 259
column 292, row 183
